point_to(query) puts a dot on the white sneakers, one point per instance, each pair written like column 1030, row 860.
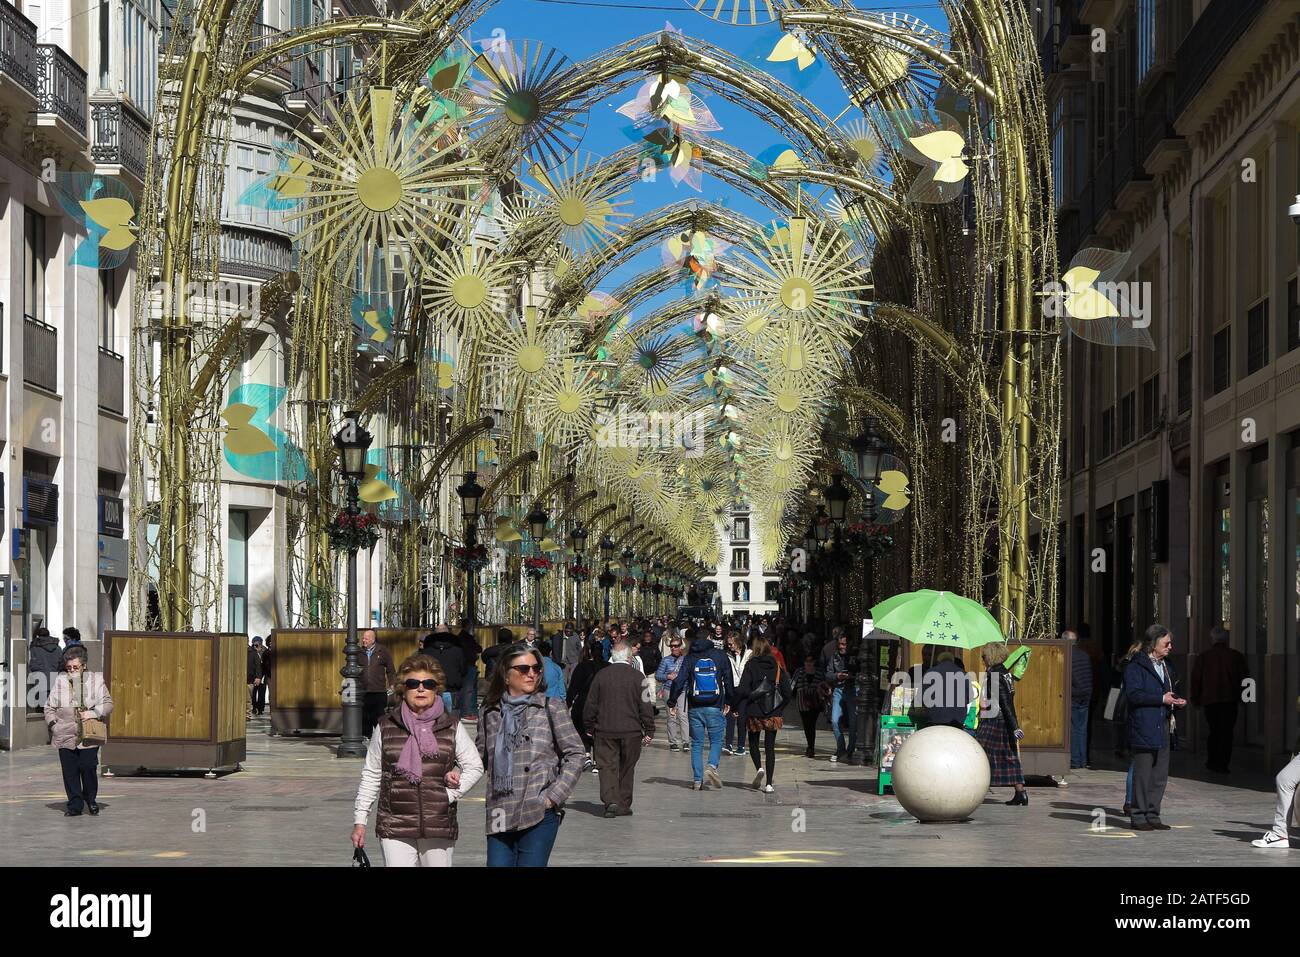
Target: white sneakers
column 712, row 777
column 759, row 775
column 1272, row 839
column 769, row 789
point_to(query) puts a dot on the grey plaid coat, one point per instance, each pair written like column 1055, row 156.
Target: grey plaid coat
column 544, row 766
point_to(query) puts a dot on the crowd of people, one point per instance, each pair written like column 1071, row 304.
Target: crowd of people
column 584, row 700
column 588, row 699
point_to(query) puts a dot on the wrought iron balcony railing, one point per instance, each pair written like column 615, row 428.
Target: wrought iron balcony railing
column 18, row 48
column 121, row 135
column 61, row 86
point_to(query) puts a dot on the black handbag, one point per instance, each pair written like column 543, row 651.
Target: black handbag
column 359, row 858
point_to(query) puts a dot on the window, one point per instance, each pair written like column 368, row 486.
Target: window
column 1293, row 314
column 1150, row 404
column 33, row 265
column 1145, row 28
column 740, row 559
column 237, row 573
column 740, row 591
column 1220, row 353
column 1127, row 419
column 740, row 531
column 1107, row 432
column 1185, row 383
column 1257, row 337
column 105, row 46
column 770, row 590
column 108, row 292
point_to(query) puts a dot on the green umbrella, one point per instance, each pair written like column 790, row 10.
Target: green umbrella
column 929, row 617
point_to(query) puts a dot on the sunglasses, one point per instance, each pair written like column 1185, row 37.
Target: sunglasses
column 524, row 669
column 428, row 683
column 674, row 646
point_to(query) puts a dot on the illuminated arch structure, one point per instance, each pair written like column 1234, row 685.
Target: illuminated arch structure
column 461, row 165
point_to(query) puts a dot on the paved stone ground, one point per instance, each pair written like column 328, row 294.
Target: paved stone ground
column 292, row 805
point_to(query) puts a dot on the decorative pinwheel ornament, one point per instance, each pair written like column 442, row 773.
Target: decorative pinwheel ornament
column 936, row 142
column 664, row 147
column 564, row 401
column 372, row 318
column 668, row 97
column 105, row 206
column 253, row 446
column 696, row 253
column 518, row 88
column 284, row 188
column 1094, row 306
column 444, row 94
column 893, row 493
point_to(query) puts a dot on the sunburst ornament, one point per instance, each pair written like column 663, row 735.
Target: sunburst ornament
column 812, row 286
column 564, row 401
column 739, row 13
column 519, row 89
column 466, row 289
column 866, row 144
column 583, row 206
column 525, row 349
column 380, row 187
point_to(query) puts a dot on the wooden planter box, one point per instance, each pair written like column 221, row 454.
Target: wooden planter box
column 306, row 683
column 179, row 701
column 1042, row 702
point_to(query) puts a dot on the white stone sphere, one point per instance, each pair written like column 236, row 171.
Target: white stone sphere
column 941, row 774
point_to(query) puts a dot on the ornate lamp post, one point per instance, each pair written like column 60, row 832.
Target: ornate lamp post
column 578, row 541
column 606, row 580
column 870, row 449
column 628, row 557
column 353, row 442
column 471, row 494
column 837, row 498
column 537, row 522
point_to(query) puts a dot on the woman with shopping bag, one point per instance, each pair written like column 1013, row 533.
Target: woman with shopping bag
column 74, row 711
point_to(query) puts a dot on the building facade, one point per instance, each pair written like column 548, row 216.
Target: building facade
column 743, row 584
column 1175, row 131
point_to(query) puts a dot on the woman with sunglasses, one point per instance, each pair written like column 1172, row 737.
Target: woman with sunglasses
column 421, row 761
column 533, row 757
column 679, row 734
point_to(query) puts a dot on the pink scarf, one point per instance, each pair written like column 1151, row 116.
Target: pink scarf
column 422, row 742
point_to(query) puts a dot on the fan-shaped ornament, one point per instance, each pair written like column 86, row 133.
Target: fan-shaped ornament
column 105, row 207
column 1091, row 302
column 518, row 86
column 740, row 13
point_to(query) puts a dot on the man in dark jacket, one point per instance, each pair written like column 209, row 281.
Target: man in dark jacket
column 256, row 676
column 945, row 692
column 840, row 666
column 444, row 649
column 44, row 662
column 1080, row 699
column 621, row 721
column 471, row 649
column 1148, row 685
column 708, row 691
column 377, row 677
column 505, row 638
column 1218, row 678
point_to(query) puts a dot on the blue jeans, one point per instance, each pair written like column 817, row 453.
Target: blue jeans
column 448, row 702
column 530, row 847
column 710, row 721
column 1079, row 733
column 844, row 701
column 1128, row 785
column 469, row 693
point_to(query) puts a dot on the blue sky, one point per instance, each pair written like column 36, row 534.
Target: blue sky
column 581, row 30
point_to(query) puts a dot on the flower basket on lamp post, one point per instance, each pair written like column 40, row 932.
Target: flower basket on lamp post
column 352, row 533
column 536, row 566
column 579, row 572
column 471, row 559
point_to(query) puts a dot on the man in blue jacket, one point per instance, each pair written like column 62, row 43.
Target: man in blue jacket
column 705, row 679
column 1149, row 687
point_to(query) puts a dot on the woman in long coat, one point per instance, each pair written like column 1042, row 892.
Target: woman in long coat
column 999, row 731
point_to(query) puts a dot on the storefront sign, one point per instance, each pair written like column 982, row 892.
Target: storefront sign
column 110, row 516
column 114, row 558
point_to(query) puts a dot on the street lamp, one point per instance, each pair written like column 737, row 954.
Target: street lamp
column 471, row 494
column 869, row 448
column 352, row 442
column 822, row 527
column 537, row 521
column 837, row 496
column 578, row 542
column 606, row 580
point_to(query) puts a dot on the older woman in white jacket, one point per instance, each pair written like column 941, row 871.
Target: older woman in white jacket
column 77, row 694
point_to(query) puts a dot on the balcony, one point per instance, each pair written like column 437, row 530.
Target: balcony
column 61, row 94
column 17, row 50
column 254, row 255
column 40, row 354
column 1208, row 43
column 121, row 139
column 261, row 36
column 111, row 382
